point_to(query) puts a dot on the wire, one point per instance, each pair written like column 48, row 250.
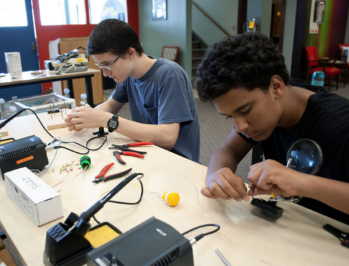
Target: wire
column 198, row 237
column 126, row 203
column 131, row 203
column 90, row 149
column 55, row 139
column 42, row 173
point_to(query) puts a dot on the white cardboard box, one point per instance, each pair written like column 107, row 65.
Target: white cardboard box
column 37, row 199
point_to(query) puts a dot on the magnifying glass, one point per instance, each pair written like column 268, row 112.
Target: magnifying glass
column 305, row 156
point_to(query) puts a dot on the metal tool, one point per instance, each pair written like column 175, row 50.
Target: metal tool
column 118, row 154
column 124, row 150
column 102, row 177
column 222, row 257
column 342, row 236
column 304, row 156
column 125, row 147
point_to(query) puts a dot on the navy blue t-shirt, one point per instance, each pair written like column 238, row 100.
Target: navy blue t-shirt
column 164, row 95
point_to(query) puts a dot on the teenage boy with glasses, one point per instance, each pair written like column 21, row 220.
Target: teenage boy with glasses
column 158, row 91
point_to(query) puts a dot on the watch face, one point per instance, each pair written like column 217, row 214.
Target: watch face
column 113, row 123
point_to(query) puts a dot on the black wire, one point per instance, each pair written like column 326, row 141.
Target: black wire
column 94, row 218
column 131, row 203
column 21, row 111
column 204, row 234
column 127, row 203
column 90, row 149
column 60, row 146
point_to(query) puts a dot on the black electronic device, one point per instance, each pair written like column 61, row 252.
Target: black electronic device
column 66, row 243
column 151, row 243
column 26, row 152
column 268, row 207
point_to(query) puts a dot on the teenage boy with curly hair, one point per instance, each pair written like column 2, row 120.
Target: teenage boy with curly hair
column 246, row 79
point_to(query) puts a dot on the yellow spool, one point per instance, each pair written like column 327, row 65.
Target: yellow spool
column 171, row 198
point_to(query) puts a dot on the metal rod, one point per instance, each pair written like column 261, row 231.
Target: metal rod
column 222, row 258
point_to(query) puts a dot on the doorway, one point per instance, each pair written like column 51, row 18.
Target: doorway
column 18, row 35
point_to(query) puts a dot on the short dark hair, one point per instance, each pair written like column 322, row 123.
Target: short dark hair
column 247, row 60
column 114, row 36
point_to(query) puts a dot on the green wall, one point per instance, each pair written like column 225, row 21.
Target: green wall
column 225, row 14
column 175, row 31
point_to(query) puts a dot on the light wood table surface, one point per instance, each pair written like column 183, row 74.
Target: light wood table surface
column 246, row 237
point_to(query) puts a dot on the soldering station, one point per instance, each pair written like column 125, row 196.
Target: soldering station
column 74, row 242
column 152, row 242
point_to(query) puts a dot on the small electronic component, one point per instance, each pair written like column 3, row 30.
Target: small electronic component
column 268, row 207
column 171, row 198
column 85, row 162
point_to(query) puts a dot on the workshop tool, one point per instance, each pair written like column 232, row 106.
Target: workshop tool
column 66, row 243
column 118, row 154
column 26, row 152
column 125, row 147
column 124, row 150
column 102, row 177
column 304, row 156
column 342, row 236
column 222, row 257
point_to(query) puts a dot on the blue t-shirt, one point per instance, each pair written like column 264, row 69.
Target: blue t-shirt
column 164, row 95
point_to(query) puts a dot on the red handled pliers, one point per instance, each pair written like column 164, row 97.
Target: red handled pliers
column 102, row 177
column 125, row 147
column 118, row 154
column 124, row 150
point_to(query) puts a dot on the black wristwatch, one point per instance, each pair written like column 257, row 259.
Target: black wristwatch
column 113, row 123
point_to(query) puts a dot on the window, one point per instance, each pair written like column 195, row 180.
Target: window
column 104, row 9
column 62, row 12
column 13, row 14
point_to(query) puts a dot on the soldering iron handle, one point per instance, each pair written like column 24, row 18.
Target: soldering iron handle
column 87, row 215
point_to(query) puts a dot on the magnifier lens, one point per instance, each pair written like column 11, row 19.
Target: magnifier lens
column 306, row 156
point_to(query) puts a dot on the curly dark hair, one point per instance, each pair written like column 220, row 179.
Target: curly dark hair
column 114, row 36
column 247, row 60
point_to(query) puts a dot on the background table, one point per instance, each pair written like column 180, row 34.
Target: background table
column 28, row 78
column 246, row 237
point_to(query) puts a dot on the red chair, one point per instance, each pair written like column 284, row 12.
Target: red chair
column 325, row 65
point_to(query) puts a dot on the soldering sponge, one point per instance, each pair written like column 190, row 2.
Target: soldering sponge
column 171, row 198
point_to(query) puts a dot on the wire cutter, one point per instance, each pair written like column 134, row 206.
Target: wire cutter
column 102, row 177
column 124, row 150
column 342, row 236
column 118, row 154
column 125, row 147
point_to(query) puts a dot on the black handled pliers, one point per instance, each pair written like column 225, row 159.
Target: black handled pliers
column 102, row 177
column 125, row 147
column 342, row 236
column 124, row 150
